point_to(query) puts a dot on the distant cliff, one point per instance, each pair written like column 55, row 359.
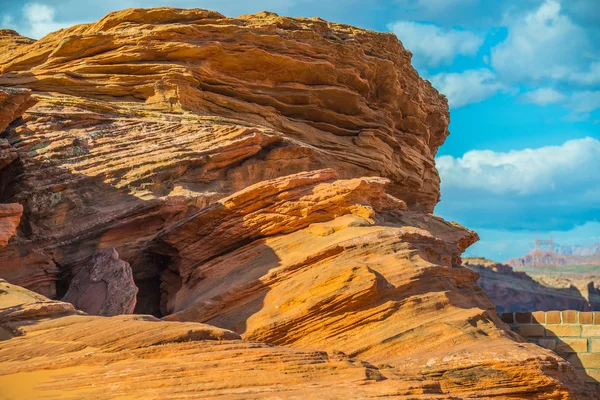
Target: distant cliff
column 514, row 291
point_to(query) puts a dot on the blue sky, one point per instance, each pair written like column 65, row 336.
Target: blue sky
column 523, row 81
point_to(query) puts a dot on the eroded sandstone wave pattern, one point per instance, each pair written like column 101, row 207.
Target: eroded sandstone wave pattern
column 268, row 183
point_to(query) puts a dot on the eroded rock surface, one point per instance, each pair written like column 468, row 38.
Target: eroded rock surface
column 134, row 132
column 271, row 176
column 137, row 356
column 104, row 286
column 313, row 262
column 10, row 216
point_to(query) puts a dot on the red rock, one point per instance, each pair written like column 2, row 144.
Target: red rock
column 103, row 286
column 10, row 216
column 72, row 355
column 132, row 134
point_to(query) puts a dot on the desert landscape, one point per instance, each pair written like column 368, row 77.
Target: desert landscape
column 199, row 206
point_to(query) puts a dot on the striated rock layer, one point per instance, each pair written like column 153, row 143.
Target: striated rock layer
column 10, row 216
column 44, row 342
column 134, row 132
column 271, row 176
column 313, row 262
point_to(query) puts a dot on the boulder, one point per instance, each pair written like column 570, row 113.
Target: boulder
column 10, row 216
column 103, row 286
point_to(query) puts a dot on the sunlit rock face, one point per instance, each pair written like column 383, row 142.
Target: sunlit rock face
column 272, row 177
column 134, row 132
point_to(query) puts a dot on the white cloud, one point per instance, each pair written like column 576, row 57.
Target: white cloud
column 581, row 103
column 525, row 172
column 40, row 20
column 543, row 97
column 585, row 101
column 432, row 45
column 553, row 188
column 472, row 86
column 545, row 44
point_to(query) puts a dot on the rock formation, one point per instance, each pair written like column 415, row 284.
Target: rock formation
column 515, row 291
column 10, row 216
column 270, row 176
column 134, row 132
column 137, row 356
column 104, row 286
column 13, row 102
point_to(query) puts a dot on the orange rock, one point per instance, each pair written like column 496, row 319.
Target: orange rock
column 71, row 355
column 10, row 215
column 133, row 133
column 245, row 162
column 342, row 93
column 13, row 102
column 353, row 273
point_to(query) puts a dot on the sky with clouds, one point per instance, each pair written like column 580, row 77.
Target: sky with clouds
column 523, row 82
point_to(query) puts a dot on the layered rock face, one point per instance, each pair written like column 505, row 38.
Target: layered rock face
column 13, row 102
column 10, row 216
column 133, row 132
column 142, row 357
column 269, row 176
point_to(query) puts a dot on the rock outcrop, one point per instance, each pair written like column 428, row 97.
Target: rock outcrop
column 134, row 132
column 313, row 262
column 10, row 216
column 104, row 286
column 136, row 356
column 13, row 102
column 270, row 176
column 516, row 291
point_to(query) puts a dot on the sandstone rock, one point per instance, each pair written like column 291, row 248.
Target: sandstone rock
column 11, row 40
column 133, row 133
column 104, row 286
column 245, row 162
column 13, row 102
column 311, row 262
column 74, row 356
column 10, row 215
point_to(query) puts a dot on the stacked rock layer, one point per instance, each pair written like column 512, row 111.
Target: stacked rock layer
column 267, row 183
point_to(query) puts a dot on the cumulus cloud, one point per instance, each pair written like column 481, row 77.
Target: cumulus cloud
column 471, row 86
column 524, row 172
column 432, row 45
column 553, row 187
column 545, row 44
column 543, row 97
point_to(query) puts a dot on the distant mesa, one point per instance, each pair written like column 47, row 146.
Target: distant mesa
column 548, row 254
